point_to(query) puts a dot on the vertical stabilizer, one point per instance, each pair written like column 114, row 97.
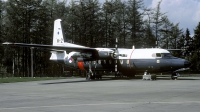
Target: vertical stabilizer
column 58, row 34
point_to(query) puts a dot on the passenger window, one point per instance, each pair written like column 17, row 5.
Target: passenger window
column 99, row 61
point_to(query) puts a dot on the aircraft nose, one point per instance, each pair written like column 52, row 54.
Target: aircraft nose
column 187, row 64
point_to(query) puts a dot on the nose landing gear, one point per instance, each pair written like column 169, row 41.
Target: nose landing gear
column 174, row 76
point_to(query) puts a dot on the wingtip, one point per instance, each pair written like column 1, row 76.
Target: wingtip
column 7, row 43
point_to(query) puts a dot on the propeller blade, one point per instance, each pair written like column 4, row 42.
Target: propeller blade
column 116, row 56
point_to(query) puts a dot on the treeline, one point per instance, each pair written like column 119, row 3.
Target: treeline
column 89, row 23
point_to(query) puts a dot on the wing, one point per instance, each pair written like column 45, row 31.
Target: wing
column 86, row 52
column 53, row 47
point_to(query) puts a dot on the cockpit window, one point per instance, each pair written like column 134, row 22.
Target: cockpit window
column 158, row 55
column 167, row 55
column 162, row 55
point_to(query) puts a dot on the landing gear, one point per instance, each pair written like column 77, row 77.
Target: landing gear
column 118, row 75
column 174, row 76
column 92, row 75
column 88, row 76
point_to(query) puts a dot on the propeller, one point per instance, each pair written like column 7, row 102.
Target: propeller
column 116, row 56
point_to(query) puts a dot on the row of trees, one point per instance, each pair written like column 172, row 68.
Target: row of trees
column 89, row 23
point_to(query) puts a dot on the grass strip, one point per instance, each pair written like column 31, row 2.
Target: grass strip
column 27, row 79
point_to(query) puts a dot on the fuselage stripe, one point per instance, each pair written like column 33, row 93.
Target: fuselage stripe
column 131, row 54
column 130, row 59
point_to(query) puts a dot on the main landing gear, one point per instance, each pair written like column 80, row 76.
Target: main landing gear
column 175, row 76
column 92, row 75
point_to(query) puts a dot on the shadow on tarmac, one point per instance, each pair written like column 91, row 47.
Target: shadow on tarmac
column 84, row 80
column 109, row 78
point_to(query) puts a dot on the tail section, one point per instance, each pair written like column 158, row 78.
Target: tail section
column 58, row 39
column 58, row 34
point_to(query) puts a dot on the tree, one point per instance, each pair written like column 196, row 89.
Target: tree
column 119, row 24
column 1, row 22
column 176, row 35
column 135, row 22
column 109, row 9
column 148, row 34
column 197, row 37
column 166, row 32
column 1, row 18
column 188, row 44
column 2, row 33
column 195, row 60
column 158, row 19
column 28, row 21
column 84, row 21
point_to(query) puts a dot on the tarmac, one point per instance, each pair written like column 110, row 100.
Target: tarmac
column 107, row 95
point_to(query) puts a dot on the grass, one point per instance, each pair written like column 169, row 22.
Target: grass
column 26, row 79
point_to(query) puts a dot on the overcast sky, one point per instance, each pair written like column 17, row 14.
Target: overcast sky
column 184, row 12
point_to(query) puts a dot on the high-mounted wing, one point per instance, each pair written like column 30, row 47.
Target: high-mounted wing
column 89, row 53
column 53, row 47
column 60, row 44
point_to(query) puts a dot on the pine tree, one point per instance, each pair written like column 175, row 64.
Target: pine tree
column 135, row 22
column 196, row 52
column 197, row 37
column 188, row 44
column 2, row 33
column 158, row 19
column 165, row 33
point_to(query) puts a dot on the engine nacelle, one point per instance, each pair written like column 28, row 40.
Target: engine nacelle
column 104, row 55
column 75, row 55
column 81, row 59
column 109, row 55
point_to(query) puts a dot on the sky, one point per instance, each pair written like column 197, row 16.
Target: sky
column 184, row 12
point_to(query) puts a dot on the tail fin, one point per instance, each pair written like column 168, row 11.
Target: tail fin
column 58, row 34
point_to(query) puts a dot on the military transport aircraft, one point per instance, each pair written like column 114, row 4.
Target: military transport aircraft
column 119, row 60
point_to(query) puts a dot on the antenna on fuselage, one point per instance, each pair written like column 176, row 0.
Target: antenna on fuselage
column 133, row 47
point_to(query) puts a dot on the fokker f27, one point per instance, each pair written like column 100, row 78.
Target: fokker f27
column 119, row 60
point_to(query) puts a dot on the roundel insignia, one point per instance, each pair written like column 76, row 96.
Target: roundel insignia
column 70, row 60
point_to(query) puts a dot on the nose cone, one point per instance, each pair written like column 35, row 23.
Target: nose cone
column 187, row 64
